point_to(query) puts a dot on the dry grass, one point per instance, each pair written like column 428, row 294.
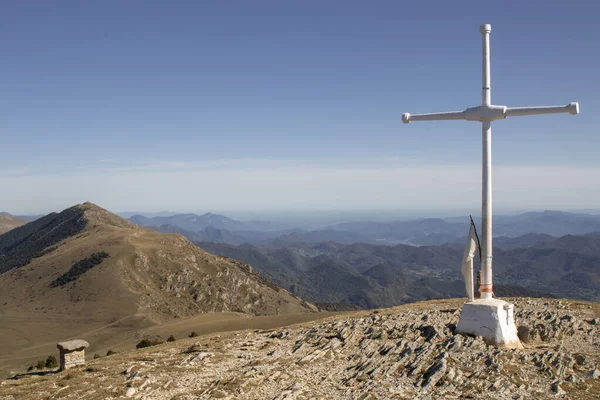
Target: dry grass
column 122, row 335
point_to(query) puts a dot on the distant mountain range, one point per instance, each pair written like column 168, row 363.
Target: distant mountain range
column 372, row 276
column 23, row 218
column 190, row 222
column 418, row 232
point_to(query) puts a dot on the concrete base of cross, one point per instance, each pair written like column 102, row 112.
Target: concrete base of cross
column 492, row 319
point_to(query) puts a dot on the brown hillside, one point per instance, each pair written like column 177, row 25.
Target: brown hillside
column 85, row 268
column 115, row 267
column 8, row 222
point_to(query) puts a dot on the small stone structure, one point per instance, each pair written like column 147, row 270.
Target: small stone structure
column 72, row 353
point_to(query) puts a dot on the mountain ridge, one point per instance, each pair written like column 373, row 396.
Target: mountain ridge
column 191, row 222
column 138, row 257
column 9, row 222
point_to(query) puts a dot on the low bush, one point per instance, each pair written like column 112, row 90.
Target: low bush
column 51, row 362
column 110, row 352
column 171, row 338
column 96, row 356
column 193, row 334
column 148, row 343
column 40, row 364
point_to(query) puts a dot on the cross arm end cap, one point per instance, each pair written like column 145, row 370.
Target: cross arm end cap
column 574, row 108
column 406, row 118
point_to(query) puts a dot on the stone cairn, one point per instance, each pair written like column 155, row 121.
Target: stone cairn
column 72, row 353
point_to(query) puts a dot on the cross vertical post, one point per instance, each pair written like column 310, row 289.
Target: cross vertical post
column 486, row 91
column 487, row 316
column 485, row 288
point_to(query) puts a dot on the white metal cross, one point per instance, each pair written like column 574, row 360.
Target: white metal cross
column 486, row 113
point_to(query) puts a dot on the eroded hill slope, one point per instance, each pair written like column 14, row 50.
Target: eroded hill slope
column 88, row 260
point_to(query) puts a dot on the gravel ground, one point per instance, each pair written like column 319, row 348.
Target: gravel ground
column 407, row 352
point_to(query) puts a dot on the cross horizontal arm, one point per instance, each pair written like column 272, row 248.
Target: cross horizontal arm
column 571, row 108
column 444, row 116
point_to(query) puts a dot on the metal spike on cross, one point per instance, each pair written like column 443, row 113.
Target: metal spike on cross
column 474, row 316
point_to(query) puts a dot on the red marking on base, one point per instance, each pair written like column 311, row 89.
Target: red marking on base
column 485, row 288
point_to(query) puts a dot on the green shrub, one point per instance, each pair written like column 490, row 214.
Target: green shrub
column 96, row 356
column 30, row 368
column 40, row 364
column 148, row 343
column 110, row 352
column 171, row 338
column 51, row 362
column 193, row 334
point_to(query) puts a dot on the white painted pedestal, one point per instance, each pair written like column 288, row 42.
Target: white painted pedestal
column 493, row 319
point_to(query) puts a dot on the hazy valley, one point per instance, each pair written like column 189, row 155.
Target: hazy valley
column 370, row 264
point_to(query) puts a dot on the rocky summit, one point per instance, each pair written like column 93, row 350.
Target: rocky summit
column 407, row 352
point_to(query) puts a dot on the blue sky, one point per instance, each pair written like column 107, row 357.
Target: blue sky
column 264, row 105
